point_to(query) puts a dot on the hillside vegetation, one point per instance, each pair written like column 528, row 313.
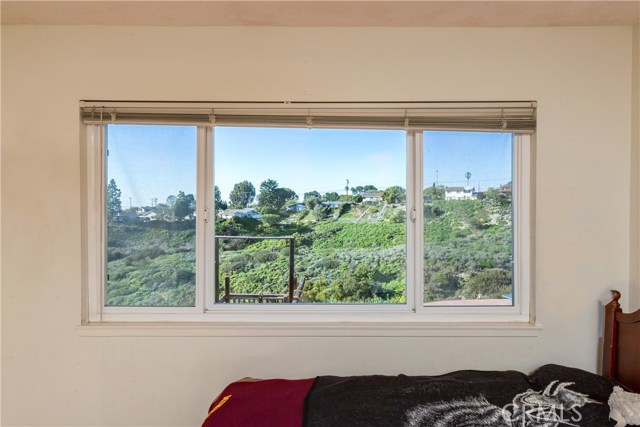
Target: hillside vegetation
column 354, row 252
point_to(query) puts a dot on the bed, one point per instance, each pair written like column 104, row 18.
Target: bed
column 552, row 396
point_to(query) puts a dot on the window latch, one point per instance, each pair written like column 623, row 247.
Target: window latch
column 205, row 215
column 413, row 215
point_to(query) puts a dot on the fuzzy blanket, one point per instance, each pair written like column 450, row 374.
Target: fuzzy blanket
column 553, row 396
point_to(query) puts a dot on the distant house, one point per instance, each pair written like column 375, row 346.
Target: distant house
column 371, row 196
column 125, row 217
column 460, row 193
column 505, row 189
column 332, row 204
column 296, row 207
column 239, row 213
column 149, row 216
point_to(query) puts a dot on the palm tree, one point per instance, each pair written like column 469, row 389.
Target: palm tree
column 468, row 176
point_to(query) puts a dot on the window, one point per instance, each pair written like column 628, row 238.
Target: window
column 223, row 212
column 150, row 216
column 312, row 201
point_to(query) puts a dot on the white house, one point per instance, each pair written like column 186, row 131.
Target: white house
column 460, row 193
column 148, row 216
column 239, row 213
column 371, row 196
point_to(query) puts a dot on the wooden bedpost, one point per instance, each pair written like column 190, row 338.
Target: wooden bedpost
column 610, row 336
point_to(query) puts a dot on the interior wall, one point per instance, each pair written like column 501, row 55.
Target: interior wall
column 51, row 376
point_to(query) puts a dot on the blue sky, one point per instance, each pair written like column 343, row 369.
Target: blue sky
column 150, row 162
column 486, row 156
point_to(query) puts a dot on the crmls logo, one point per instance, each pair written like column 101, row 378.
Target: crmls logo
column 539, row 415
column 556, row 406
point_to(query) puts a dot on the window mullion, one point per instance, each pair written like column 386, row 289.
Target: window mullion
column 205, row 216
column 96, row 242
column 414, row 220
column 417, row 199
column 209, row 267
column 522, row 202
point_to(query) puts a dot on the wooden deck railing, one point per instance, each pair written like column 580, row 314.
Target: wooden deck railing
column 229, row 297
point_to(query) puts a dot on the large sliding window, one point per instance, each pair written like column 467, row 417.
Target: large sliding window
column 280, row 211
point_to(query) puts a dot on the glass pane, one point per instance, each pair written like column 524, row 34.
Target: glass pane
column 468, row 226
column 326, row 206
column 150, row 202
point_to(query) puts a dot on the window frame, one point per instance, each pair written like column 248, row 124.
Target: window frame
column 206, row 310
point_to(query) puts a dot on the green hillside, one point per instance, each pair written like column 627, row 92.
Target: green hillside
column 354, row 252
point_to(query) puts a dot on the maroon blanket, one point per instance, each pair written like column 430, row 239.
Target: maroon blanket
column 264, row 403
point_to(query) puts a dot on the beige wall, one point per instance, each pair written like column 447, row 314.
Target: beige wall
column 51, row 376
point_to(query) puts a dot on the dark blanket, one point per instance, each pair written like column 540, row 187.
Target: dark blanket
column 554, row 396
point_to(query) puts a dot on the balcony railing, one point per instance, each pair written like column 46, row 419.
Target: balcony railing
column 294, row 289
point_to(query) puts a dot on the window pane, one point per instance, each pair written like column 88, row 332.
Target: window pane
column 468, row 226
column 150, row 202
column 331, row 203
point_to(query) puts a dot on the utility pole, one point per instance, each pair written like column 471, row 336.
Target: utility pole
column 347, row 188
column 436, row 177
column 130, row 205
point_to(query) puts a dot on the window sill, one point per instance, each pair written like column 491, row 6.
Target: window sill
column 309, row 329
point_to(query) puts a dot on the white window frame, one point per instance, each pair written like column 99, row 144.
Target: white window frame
column 412, row 313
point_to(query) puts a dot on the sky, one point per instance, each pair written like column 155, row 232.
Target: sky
column 149, row 163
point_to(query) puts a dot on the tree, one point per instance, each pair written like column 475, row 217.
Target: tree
column 242, row 194
column 171, row 200
column 268, row 198
column 357, row 190
column 489, row 283
column 114, row 204
column 331, row 197
column 163, row 211
column 270, row 219
column 434, row 193
column 356, row 285
column 370, row 188
column 273, row 198
column 393, row 194
column 494, row 198
column 468, row 176
column 309, row 195
column 218, row 202
column 320, row 212
column 285, row 195
column 312, row 202
column 184, row 206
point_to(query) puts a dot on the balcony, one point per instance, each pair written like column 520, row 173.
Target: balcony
column 224, row 294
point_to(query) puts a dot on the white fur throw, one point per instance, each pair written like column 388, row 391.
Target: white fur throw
column 625, row 407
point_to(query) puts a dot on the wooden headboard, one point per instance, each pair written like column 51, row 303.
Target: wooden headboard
column 621, row 351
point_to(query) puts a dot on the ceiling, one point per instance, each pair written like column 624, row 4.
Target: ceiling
column 326, row 13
